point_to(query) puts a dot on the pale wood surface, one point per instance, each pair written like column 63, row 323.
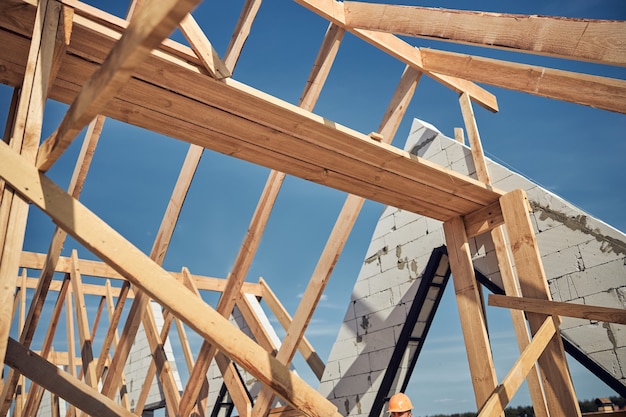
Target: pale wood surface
column 589, row 90
column 557, row 308
column 600, row 41
column 558, row 387
column 470, row 311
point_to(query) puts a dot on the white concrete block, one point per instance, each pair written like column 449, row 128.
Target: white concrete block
column 354, row 366
column 379, row 359
column 563, row 262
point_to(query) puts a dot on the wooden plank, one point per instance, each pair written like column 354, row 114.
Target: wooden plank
column 594, row 40
column 478, row 155
column 394, row 46
column 88, row 289
column 107, row 244
column 399, row 104
column 203, row 48
column 589, row 90
column 111, row 339
column 71, row 344
column 483, row 220
column 470, row 312
column 145, row 32
column 557, row 308
column 501, row 397
column 241, row 32
column 46, row 374
column 321, row 66
column 84, row 334
column 99, row 269
column 558, row 388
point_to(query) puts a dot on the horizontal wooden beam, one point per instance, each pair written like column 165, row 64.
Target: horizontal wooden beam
column 171, row 96
column 107, row 244
column 483, row 220
column 594, row 40
column 589, row 90
column 581, row 311
column 100, row 269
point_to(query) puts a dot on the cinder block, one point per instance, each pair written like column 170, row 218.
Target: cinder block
column 563, row 262
column 354, row 366
column 372, row 303
column 596, row 253
column 353, row 385
column 615, row 365
column 382, row 339
column 594, row 337
column 379, row 359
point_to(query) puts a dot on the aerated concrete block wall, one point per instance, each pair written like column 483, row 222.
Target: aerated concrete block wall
column 584, row 260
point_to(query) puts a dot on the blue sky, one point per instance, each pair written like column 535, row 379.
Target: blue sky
column 575, row 151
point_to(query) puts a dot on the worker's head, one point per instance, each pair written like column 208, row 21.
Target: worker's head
column 400, row 405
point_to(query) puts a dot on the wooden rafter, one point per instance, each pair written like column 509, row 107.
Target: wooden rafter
column 589, row 90
column 594, row 40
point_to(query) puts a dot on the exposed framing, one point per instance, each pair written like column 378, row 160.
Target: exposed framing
column 123, row 70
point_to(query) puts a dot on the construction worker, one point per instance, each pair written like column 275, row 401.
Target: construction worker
column 400, row 405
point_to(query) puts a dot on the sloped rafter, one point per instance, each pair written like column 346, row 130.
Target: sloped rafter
column 589, row 90
column 594, row 40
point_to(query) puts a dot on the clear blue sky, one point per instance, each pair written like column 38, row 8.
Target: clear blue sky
column 575, row 151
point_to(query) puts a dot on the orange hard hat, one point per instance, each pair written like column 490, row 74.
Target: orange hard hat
column 399, row 402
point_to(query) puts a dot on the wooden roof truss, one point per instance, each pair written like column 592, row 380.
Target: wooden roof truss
column 108, row 67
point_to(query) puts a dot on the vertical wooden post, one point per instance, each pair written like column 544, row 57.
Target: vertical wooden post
column 509, row 280
column 470, row 311
column 557, row 382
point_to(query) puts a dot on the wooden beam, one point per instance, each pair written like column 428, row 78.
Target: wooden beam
column 100, row 269
column 107, row 244
column 396, row 47
column 203, row 48
column 145, row 32
column 503, row 394
column 111, row 339
column 483, row 220
column 241, row 32
column 589, row 90
column 557, row 308
column 558, row 387
column 470, row 312
column 47, row 375
column 84, row 334
column 594, row 40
